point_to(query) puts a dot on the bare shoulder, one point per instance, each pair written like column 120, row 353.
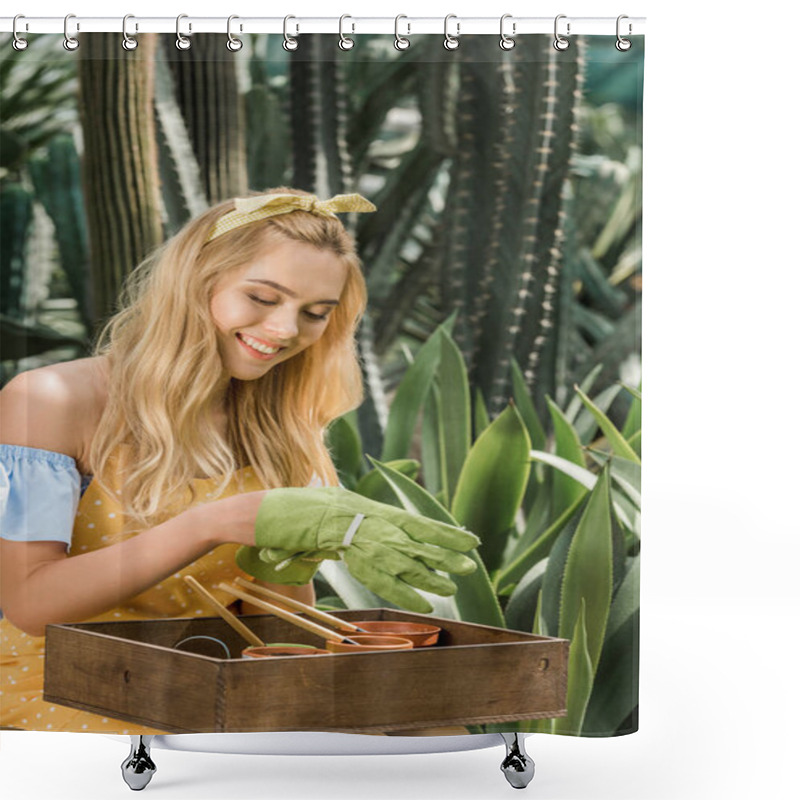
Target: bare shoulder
column 54, row 407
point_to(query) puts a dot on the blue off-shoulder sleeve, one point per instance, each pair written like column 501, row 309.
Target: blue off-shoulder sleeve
column 39, row 494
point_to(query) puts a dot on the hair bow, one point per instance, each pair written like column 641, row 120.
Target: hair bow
column 251, row 209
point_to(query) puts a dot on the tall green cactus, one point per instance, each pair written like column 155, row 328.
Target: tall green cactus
column 207, row 94
column 56, row 178
column 16, row 215
column 120, row 167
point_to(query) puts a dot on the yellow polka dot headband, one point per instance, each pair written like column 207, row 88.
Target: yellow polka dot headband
column 251, row 209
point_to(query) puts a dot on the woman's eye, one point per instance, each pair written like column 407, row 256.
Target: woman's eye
column 261, row 301
column 316, row 317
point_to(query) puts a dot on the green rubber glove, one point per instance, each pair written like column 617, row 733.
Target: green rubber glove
column 391, row 551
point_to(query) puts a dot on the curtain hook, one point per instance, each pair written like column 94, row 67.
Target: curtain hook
column 233, row 44
column 19, row 43
column 561, row 42
column 128, row 42
column 451, row 42
column 401, row 43
column 70, row 42
column 182, row 43
column 507, row 42
column 288, row 42
column 345, row 42
column 623, row 44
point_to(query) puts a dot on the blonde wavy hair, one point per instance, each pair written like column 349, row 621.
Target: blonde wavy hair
column 164, row 366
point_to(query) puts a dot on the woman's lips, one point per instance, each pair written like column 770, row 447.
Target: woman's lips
column 257, row 354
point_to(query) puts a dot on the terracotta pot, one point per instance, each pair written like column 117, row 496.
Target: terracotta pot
column 269, row 651
column 418, row 634
column 366, row 643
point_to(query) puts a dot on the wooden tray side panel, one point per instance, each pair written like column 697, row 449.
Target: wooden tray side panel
column 127, row 680
column 410, row 689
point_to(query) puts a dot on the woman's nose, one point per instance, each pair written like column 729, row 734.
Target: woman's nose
column 281, row 323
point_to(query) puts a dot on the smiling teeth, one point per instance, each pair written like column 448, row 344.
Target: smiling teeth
column 256, row 345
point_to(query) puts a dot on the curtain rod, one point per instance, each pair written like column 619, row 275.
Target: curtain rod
column 406, row 26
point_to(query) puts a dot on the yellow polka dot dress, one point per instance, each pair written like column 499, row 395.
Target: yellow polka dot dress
column 98, row 523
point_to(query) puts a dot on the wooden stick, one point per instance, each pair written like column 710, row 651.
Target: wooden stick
column 306, row 624
column 238, row 626
column 298, row 606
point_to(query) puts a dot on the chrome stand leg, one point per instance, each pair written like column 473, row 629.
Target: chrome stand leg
column 518, row 766
column 138, row 768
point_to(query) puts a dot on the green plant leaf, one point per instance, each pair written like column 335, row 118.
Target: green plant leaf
column 492, row 484
column 432, row 445
column 521, row 608
column 373, row 484
column 577, row 473
column 571, row 412
column 588, row 573
column 616, row 689
column 565, row 489
column 580, row 677
column 541, row 548
column 408, row 400
column 526, row 408
column 481, row 420
column 344, row 443
column 615, row 439
column 475, row 600
column 455, row 417
column 586, row 424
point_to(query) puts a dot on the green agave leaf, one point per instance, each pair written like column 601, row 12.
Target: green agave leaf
column 580, row 677
column 475, row 600
column 541, row 548
column 577, row 473
column 615, row 439
column 523, row 606
column 635, row 442
column 373, row 484
column 481, row 421
column 586, row 385
column 492, row 484
column 408, row 400
column 565, row 489
column 538, row 628
column 616, row 689
column 586, row 424
column 352, row 593
column 538, row 497
column 628, row 476
column 588, row 573
column 455, row 428
column 526, row 408
column 344, row 442
column 637, row 393
column 432, row 445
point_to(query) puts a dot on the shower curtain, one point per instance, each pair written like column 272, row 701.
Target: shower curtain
column 500, row 350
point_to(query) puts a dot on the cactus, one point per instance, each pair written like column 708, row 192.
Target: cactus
column 56, row 179
column 16, row 215
column 207, row 94
column 120, row 170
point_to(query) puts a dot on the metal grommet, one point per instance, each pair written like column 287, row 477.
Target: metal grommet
column 401, row 43
column 70, row 42
column 181, row 42
column 128, row 42
column 345, row 42
column 19, row 43
column 560, row 42
column 450, row 41
column 289, row 43
column 506, row 42
column 623, row 44
column 233, row 44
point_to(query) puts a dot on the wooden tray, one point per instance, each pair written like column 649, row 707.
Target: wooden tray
column 475, row 674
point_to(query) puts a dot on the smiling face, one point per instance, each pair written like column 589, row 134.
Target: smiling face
column 275, row 307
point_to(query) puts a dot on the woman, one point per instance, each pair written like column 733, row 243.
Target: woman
column 234, row 350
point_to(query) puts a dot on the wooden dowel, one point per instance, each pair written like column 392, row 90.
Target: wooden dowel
column 341, row 624
column 306, row 624
column 236, row 624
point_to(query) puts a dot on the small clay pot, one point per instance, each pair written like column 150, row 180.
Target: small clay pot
column 417, row 633
column 269, row 651
column 366, row 643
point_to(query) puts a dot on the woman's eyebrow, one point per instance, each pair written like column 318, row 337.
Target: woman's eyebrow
column 290, row 292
